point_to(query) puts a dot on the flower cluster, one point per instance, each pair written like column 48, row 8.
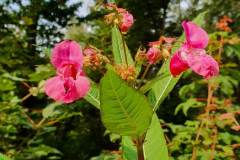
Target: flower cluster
column 159, row 49
column 70, row 83
column 121, row 17
column 223, row 24
column 127, row 73
column 192, row 53
column 93, row 58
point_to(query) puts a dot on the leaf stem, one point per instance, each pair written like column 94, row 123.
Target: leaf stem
column 145, row 72
column 213, row 146
column 124, row 50
column 207, row 110
column 139, row 144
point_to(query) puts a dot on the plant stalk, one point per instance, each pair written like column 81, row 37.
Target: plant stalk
column 139, row 144
column 124, row 50
column 207, row 110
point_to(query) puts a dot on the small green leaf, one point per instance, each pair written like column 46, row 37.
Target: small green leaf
column 112, row 1
column 42, row 72
column 6, row 84
column 185, row 106
column 93, row 95
column 50, row 111
column 4, row 157
column 120, row 49
column 124, row 110
column 128, row 148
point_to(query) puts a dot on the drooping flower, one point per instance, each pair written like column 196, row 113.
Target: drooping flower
column 192, row 54
column 126, row 21
column 70, row 83
column 153, row 55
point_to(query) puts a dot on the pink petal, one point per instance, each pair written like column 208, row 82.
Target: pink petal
column 178, row 64
column 71, row 93
column 203, row 64
column 82, row 85
column 68, row 70
column 66, row 52
column 67, row 90
column 195, row 36
column 54, row 88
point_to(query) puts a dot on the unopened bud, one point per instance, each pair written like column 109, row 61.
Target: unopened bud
column 126, row 21
column 141, row 55
column 153, row 55
column 165, row 53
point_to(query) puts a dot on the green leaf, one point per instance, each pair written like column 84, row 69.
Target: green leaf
column 187, row 90
column 112, row 1
column 145, row 88
column 6, row 84
column 93, row 95
column 120, row 48
column 124, row 110
column 12, row 77
column 185, row 106
column 42, row 72
column 4, row 157
column 107, row 155
column 226, row 84
column 164, row 86
column 128, row 148
column 50, row 111
column 155, row 146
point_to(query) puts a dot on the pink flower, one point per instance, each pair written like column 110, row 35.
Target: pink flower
column 192, row 54
column 126, row 20
column 153, row 55
column 69, row 84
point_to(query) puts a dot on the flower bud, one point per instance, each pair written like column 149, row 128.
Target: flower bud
column 126, row 21
column 165, row 53
column 120, row 17
column 141, row 55
column 153, row 55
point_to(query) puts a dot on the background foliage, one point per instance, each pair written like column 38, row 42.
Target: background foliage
column 33, row 127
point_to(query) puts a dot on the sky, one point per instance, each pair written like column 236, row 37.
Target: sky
column 82, row 11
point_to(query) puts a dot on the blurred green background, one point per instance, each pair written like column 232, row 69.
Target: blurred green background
column 33, row 127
